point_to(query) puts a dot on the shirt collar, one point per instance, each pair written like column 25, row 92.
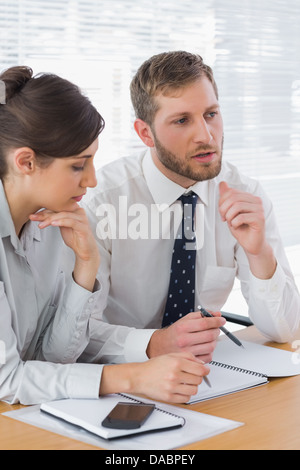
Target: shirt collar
column 163, row 190
column 6, row 223
column 7, row 227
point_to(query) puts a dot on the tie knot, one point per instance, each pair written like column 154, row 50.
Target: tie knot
column 190, row 199
column 189, row 202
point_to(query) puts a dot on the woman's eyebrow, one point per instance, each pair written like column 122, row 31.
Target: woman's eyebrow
column 83, row 156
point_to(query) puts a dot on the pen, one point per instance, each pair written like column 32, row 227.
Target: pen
column 233, row 338
column 206, row 380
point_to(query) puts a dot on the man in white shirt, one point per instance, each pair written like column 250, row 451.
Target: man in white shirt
column 178, row 118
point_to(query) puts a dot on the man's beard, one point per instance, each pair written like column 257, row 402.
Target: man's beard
column 204, row 172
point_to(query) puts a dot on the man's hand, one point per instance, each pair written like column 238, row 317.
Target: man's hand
column 192, row 333
column 244, row 214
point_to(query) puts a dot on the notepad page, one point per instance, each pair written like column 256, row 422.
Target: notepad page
column 264, row 359
column 224, row 381
column 89, row 415
column 197, row 426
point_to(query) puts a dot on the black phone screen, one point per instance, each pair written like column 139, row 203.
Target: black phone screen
column 128, row 415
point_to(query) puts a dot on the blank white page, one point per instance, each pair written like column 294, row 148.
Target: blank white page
column 258, row 358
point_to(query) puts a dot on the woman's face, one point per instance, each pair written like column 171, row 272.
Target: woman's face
column 61, row 186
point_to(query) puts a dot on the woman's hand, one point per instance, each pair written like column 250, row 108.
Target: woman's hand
column 77, row 235
column 172, row 378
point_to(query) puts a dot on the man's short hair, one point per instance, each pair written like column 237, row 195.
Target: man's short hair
column 165, row 73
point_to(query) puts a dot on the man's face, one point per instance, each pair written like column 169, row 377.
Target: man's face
column 187, row 133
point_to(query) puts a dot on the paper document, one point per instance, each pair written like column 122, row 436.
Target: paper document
column 271, row 362
column 198, row 426
column 234, row 368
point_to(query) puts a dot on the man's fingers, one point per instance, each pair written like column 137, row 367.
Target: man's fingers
column 199, row 323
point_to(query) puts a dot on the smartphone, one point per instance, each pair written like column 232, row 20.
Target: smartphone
column 128, row 415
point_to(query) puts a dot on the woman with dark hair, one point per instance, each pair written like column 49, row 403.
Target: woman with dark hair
column 49, row 259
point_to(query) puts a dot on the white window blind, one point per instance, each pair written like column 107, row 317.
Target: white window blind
column 252, row 45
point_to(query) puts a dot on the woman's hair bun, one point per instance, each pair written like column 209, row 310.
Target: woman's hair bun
column 47, row 114
column 15, row 79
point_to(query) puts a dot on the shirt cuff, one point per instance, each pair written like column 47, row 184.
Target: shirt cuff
column 269, row 289
column 84, row 381
column 136, row 345
column 78, row 299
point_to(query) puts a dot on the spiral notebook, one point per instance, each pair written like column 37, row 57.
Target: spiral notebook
column 234, row 368
column 89, row 414
column 226, row 379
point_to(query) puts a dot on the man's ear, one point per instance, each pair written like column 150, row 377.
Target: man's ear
column 25, row 160
column 144, row 132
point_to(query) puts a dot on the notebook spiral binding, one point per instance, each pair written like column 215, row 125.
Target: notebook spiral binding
column 238, row 369
column 157, row 409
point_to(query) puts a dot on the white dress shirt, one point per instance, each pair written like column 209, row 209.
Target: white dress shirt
column 135, row 269
column 44, row 316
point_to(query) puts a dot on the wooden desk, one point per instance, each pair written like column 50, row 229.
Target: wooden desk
column 271, row 414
